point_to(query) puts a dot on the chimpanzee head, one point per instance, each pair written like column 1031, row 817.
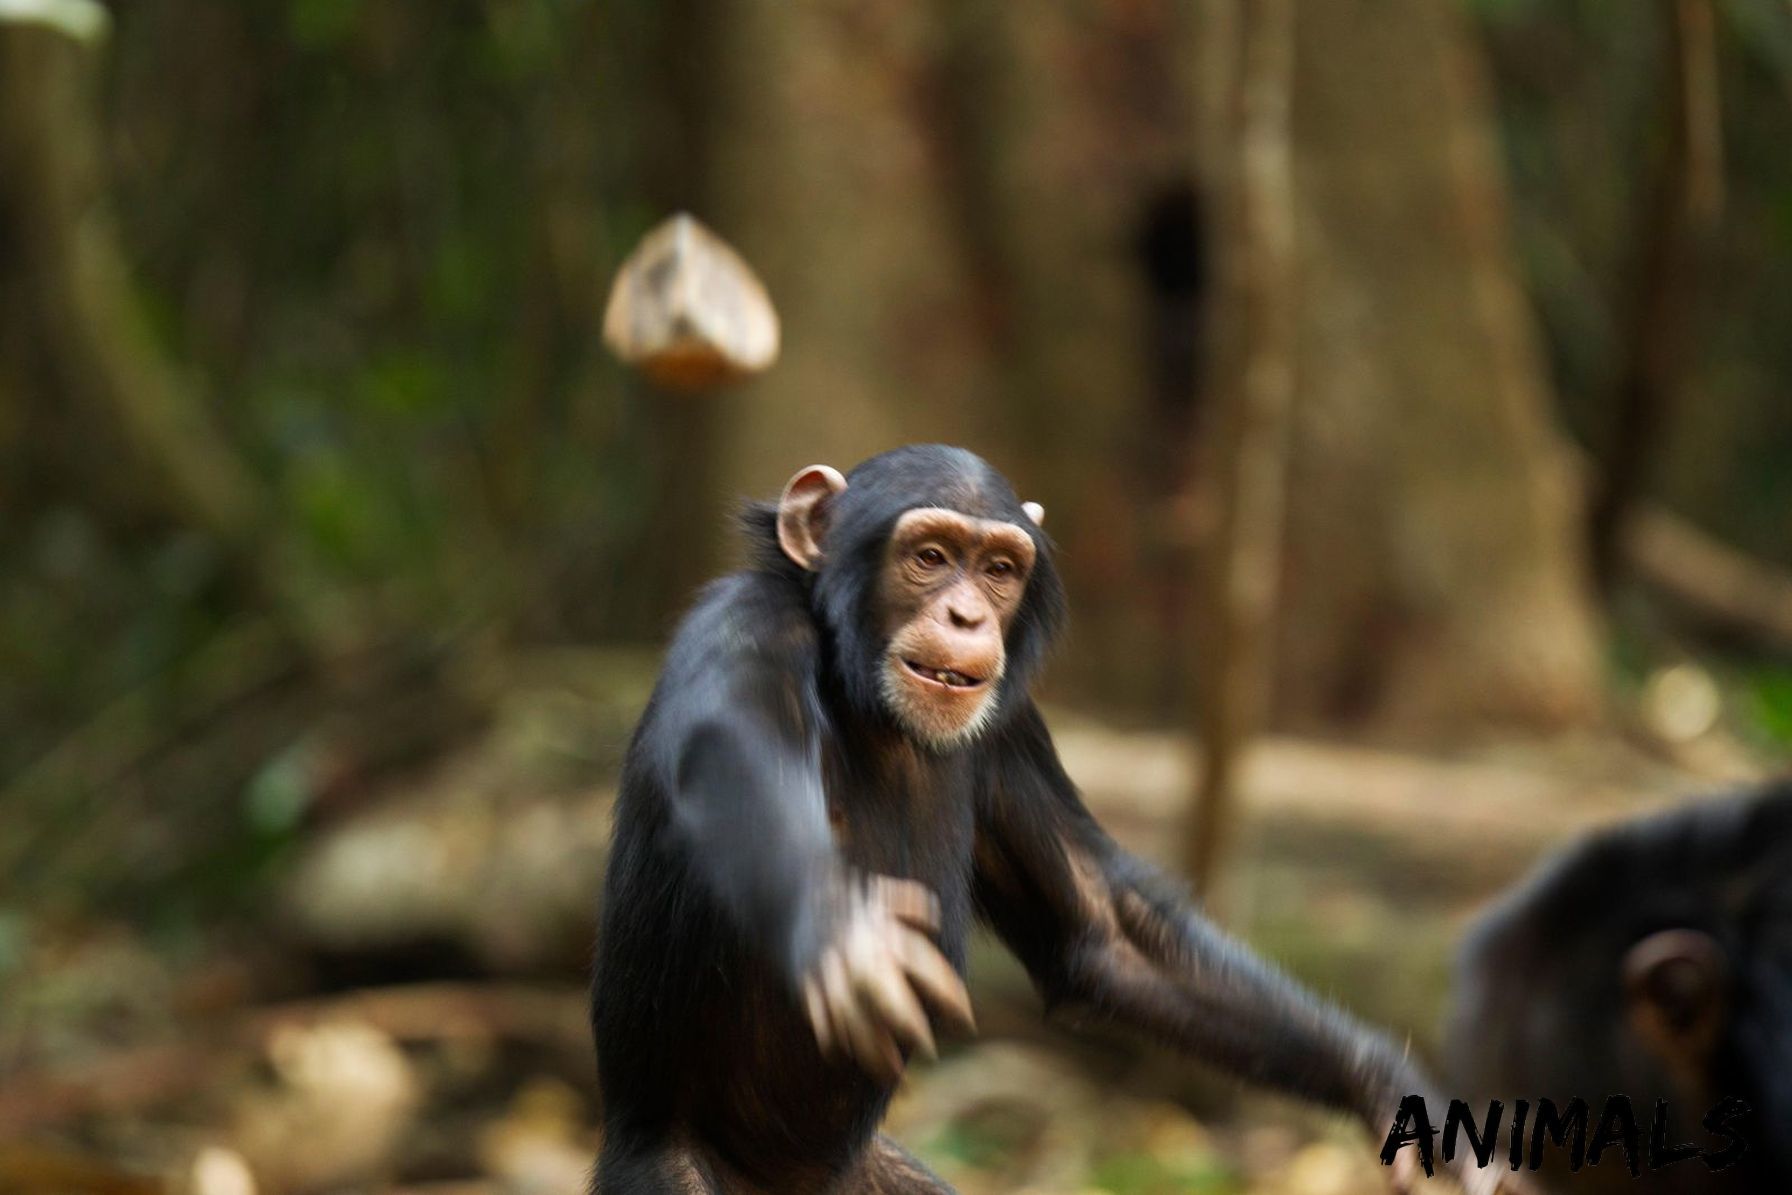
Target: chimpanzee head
column 934, row 581
column 1652, row 959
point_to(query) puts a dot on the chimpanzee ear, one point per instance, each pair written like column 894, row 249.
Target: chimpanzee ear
column 1676, row 994
column 803, row 513
column 1035, row 512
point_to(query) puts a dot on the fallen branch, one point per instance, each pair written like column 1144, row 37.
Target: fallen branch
column 1711, row 581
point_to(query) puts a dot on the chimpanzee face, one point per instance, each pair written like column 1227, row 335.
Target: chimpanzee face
column 948, row 591
column 934, row 580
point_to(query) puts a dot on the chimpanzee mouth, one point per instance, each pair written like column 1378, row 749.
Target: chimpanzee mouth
column 943, row 676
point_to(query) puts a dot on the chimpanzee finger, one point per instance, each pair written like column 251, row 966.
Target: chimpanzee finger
column 886, row 1063
column 842, row 1007
column 887, row 987
column 910, row 901
column 874, row 1046
column 1492, row 1182
column 1403, row 1175
column 815, row 1004
column 937, row 982
column 879, row 986
column 1473, row 1180
column 855, row 1024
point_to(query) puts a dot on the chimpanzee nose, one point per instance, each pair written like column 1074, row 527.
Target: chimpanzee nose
column 965, row 617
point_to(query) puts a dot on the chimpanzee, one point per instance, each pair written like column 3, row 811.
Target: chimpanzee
column 1652, row 960
column 840, row 770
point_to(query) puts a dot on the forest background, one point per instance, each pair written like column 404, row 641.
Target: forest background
column 1406, row 383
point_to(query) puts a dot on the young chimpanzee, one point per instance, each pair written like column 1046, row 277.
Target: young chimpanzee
column 840, row 770
column 1652, row 961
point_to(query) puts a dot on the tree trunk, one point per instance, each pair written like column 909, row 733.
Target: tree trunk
column 945, row 211
column 1249, row 452
column 1434, row 569
column 942, row 200
column 826, row 180
column 1679, row 214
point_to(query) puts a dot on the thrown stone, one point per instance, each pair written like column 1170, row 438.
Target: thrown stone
column 688, row 312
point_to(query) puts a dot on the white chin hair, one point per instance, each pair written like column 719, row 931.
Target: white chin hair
column 919, row 726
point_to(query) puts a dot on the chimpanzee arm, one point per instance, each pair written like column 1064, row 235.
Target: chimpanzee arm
column 732, row 740
column 1101, row 931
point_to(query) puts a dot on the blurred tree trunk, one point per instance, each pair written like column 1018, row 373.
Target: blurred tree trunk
column 1435, row 568
column 675, row 101
column 1089, row 135
column 1248, row 455
column 1679, row 214
column 944, row 202
column 827, row 179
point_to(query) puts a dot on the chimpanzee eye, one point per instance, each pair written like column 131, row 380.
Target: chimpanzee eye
column 931, row 557
column 1001, row 568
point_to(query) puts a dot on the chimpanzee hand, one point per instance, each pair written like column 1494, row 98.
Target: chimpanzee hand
column 1408, row 1178
column 1407, row 1174
column 868, row 993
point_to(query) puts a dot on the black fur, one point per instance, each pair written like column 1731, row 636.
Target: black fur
column 1540, row 1008
column 765, row 767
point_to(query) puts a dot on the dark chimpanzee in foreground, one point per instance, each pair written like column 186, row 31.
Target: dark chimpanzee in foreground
column 1654, row 961
column 840, row 771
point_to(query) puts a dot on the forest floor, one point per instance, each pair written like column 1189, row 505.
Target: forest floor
column 406, row 1014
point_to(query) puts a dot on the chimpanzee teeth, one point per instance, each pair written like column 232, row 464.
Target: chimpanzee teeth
column 944, row 676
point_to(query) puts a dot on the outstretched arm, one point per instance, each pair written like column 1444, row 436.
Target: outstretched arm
column 1101, row 931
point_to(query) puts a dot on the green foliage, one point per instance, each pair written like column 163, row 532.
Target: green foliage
column 1581, row 93
column 1764, row 30
column 996, row 1138
column 15, row 933
column 1769, row 704
column 339, row 509
column 382, row 209
column 279, row 794
column 1145, row 1174
column 322, row 24
column 970, row 1144
column 1501, row 12
column 376, row 237
column 526, row 38
column 406, row 382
